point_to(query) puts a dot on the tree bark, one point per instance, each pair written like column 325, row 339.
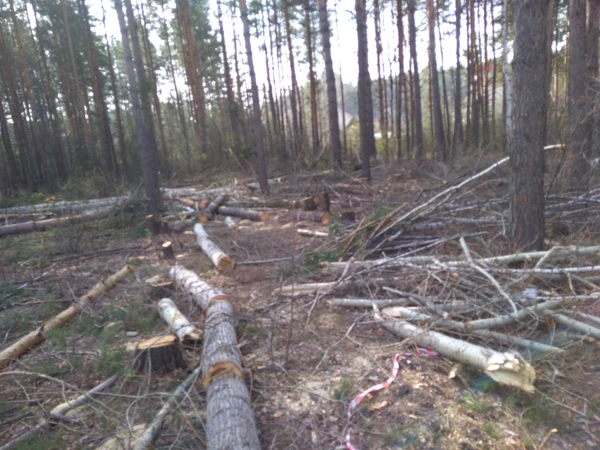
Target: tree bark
column 365, row 99
column 295, row 94
column 416, row 84
column 529, row 125
column 258, row 127
column 332, row 108
column 440, row 142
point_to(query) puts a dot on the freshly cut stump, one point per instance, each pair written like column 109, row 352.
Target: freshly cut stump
column 158, row 355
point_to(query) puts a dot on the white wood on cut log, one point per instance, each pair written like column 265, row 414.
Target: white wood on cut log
column 200, row 292
column 506, row 368
column 219, row 258
column 228, row 406
column 305, row 232
column 178, row 323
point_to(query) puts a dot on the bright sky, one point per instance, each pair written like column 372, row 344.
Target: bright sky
column 344, row 41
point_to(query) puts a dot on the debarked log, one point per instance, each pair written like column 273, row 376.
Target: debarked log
column 505, row 368
column 229, row 419
column 18, row 348
column 219, row 258
column 256, row 216
column 178, row 323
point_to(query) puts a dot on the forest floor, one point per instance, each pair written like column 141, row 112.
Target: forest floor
column 305, row 358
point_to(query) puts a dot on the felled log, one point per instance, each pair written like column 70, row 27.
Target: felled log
column 317, row 202
column 505, row 368
column 42, row 225
column 178, row 323
column 219, row 258
column 313, row 216
column 209, row 211
column 257, row 216
column 158, row 355
column 15, row 350
column 66, row 207
column 229, row 418
column 196, row 203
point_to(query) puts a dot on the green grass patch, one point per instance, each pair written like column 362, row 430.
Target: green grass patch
column 474, row 405
column 48, row 441
column 491, row 431
column 344, row 390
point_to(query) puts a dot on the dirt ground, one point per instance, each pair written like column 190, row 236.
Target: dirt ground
column 305, row 359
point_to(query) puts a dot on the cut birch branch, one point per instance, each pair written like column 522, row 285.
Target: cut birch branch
column 249, row 214
column 305, row 232
column 151, row 433
column 68, row 406
column 178, row 323
column 229, row 419
column 220, row 259
column 505, row 368
column 575, row 324
column 18, row 348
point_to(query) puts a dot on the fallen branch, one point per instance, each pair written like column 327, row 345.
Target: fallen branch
column 68, row 406
column 220, row 259
column 178, row 323
column 18, row 348
column 505, row 368
column 153, row 430
column 575, row 324
column 42, row 225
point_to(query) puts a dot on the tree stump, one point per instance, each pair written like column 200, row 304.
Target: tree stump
column 158, row 355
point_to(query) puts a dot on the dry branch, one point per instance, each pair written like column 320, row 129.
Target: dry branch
column 229, row 418
column 153, row 430
column 178, row 323
column 221, row 260
column 64, row 408
column 35, row 337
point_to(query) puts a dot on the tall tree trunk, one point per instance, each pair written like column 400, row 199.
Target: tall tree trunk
column 458, row 143
column 295, row 96
column 507, row 97
column 12, row 173
column 529, row 124
column 440, row 141
column 115, row 94
column 365, row 99
column 475, row 105
column 380, row 80
column 258, row 127
column 580, row 148
column 270, row 67
column 332, row 108
column 142, row 115
column 232, row 106
column 592, row 72
column 314, row 116
column 342, row 98
column 447, row 134
column 416, row 84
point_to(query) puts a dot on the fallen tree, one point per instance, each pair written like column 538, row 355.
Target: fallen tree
column 66, row 207
column 42, row 225
column 18, row 348
column 256, row 216
column 229, row 418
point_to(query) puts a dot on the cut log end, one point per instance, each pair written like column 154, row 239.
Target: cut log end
column 158, row 355
column 225, row 263
column 264, row 216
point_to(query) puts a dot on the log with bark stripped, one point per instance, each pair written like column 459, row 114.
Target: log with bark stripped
column 219, row 258
column 15, row 350
column 257, row 216
column 178, row 323
column 229, row 419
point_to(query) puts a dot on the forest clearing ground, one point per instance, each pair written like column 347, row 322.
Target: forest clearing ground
column 305, row 359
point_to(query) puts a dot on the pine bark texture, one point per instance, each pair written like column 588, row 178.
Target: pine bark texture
column 229, row 418
column 440, row 143
column 416, row 84
column 529, row 125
